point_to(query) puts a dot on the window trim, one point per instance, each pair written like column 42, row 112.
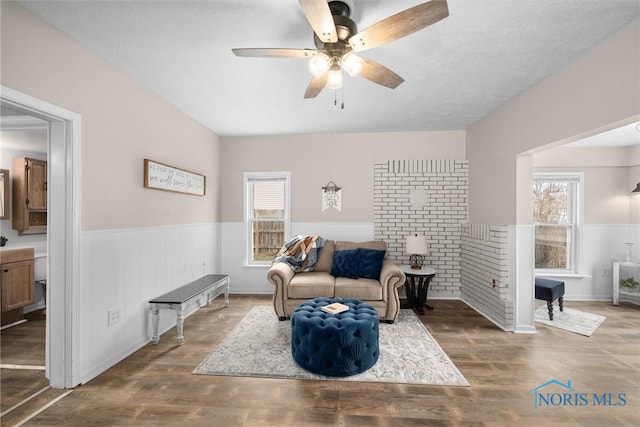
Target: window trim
column 248, row 178
column 576, row 227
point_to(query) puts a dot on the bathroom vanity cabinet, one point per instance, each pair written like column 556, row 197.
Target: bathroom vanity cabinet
column 16, row 282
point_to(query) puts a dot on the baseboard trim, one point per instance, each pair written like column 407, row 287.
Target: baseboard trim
column 19, row 322
column 525, row 330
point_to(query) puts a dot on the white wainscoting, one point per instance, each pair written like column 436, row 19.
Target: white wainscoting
column 521, row 260
column 602, row 244
column 125, row 269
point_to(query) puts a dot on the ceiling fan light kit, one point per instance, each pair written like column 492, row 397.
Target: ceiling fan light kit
column 351, row 63
column 334, row 78
column 336, row 38
column 319, row 64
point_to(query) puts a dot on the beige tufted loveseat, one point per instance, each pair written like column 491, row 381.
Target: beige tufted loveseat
column 291, row 288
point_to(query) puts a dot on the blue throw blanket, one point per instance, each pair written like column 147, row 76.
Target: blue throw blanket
column 301, row 253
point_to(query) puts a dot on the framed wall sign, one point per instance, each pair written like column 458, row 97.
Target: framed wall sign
column 331, row 197
column 170, row 178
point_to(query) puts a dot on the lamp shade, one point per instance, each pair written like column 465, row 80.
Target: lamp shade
column 637, row 189
column 416, row 245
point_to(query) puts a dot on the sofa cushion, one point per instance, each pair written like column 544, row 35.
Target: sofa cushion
column 311, row 284
column 362, row 289
column 372, row 244
column 325, row 260
column 346, row 264
column 371, row 263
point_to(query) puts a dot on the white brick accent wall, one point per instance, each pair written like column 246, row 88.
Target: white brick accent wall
column 485, row 272
column 445, row 184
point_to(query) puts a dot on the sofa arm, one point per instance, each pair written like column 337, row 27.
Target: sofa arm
column 391, row 278
column 280, row 274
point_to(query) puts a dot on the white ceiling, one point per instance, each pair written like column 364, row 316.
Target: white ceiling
column 624, row 136
column 456, row 72
column 21, row 132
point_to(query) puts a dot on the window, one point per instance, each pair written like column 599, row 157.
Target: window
column 266, row 214
column 556, row 219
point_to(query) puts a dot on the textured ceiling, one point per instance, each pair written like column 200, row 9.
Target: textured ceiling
column 456, row 72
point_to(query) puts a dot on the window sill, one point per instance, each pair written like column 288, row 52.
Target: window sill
column 256, row 265
column 564, row 275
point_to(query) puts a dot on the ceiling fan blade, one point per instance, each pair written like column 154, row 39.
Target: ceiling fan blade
column 319, row 16
column 380, row 74
column 315, row 87
column 275, row 53
column 400, row 25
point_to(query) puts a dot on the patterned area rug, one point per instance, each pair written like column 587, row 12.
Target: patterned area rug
column 260, row 346
column 578, row 322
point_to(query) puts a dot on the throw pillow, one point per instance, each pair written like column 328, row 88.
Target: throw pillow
column 371, row 263
column 346, row 264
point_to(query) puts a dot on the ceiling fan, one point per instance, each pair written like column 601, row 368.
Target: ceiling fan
column 337, row 40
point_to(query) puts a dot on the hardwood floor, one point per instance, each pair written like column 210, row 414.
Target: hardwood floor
column 24, row 391
column 155, row 386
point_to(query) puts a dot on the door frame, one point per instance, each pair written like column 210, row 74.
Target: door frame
column 62, row 341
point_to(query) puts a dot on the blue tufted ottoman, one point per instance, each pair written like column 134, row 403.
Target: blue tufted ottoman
column 336, row 345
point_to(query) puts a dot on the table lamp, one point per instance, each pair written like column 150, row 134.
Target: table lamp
column 416, row 247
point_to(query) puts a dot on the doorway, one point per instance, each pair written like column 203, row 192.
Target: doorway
column 615, row 135
column 63, row 234
column 22, row 348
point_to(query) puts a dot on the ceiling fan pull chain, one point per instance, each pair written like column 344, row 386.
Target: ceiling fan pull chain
column 335, row 97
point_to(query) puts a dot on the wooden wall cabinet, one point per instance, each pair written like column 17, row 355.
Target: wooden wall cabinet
column 29, row 196
column 16, row 283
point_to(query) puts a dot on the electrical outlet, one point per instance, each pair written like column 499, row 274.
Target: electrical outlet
column 493, row 283
column 607, row 272
column 114, row 315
